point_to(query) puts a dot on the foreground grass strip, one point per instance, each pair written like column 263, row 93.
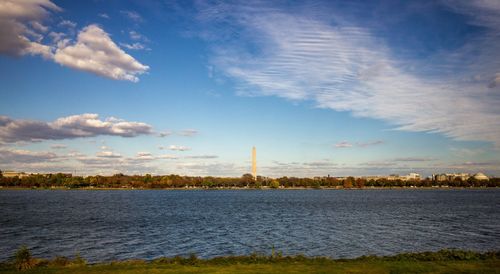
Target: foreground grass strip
column 444, row 261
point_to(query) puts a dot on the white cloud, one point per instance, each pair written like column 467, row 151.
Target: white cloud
column 67, row 24
column 188, row 132
column 38, row 26
column 95, row 52
column 14, row 29
column 132, row 15
column 369, row 144
column 168, row 157
column 58, row 146
column 179, row 148
column 9, row 156
column 343, row 144
column 414, row 159
column 145, row 156
column 201, row 157
column 134, row 35
column 84, row 125
column 345, row 67
column 108, row 154
column 56, row 36
column 104, row 15
column 134, row 46
column 22, row 32
column 164, row 134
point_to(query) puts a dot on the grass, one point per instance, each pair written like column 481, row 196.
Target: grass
column 445, row 261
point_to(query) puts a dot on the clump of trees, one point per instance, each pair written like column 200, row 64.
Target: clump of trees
column 60, row 180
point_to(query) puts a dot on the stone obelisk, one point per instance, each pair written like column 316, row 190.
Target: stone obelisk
column 254, row 163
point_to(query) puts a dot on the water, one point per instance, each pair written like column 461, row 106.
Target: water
column 108, row 225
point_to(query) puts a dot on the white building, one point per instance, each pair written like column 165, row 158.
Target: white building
column 11, row 174
column 480, row 176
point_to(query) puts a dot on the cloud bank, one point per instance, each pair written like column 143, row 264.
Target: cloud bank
column 75, row 126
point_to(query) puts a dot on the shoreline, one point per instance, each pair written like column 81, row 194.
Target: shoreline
column 252, row 189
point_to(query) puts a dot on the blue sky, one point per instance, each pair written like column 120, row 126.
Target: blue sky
column 319, row 87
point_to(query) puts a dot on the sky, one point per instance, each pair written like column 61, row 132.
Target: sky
column 189, row 87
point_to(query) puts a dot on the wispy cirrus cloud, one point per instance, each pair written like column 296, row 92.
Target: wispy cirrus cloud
column 132, row 15
column 346, row 144
column 344, row 66
column 369, row 144
column 201, row 157
column 414, row 159
column 134, row 46
column 75, row 126
column 188, row 132
column 58, row 146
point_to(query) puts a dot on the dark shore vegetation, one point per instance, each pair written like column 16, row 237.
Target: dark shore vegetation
column 443, row 261
column 172, row 181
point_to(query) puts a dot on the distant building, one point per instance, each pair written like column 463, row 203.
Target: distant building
column 393, row 177
column 480, row 176
column 11, row 174
column 450, row 176
column 413, row 176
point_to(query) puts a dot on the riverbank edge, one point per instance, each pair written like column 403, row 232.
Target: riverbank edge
column 441, row 258
column 247, row 188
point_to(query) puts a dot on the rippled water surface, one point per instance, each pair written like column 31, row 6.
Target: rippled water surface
column 104, row 225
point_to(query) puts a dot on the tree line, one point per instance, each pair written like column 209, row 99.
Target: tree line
column 60, row 180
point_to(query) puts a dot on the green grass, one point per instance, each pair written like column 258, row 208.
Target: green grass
column 445, row 261
column 486, row 266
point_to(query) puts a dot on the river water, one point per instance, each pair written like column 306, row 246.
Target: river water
column 122, row 224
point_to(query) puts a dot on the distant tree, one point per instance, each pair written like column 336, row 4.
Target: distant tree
column 147, row 178
column 247, row 179
column 274, row 184
column 348, row 182
column 360, row 182
column 208, row 182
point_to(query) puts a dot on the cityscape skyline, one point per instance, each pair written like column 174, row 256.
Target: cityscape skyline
column 178, row 87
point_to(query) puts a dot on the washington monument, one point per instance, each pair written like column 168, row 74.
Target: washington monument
column 254, row 163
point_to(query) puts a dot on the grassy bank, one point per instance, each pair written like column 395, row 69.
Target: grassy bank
column 444, row 261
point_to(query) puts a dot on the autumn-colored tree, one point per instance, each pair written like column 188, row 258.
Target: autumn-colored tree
column 348, row 182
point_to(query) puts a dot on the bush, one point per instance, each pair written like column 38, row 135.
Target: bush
column 60, row 261
column 23, row 259
column 78, row 260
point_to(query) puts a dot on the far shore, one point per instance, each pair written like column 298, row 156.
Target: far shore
column 251, row 189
